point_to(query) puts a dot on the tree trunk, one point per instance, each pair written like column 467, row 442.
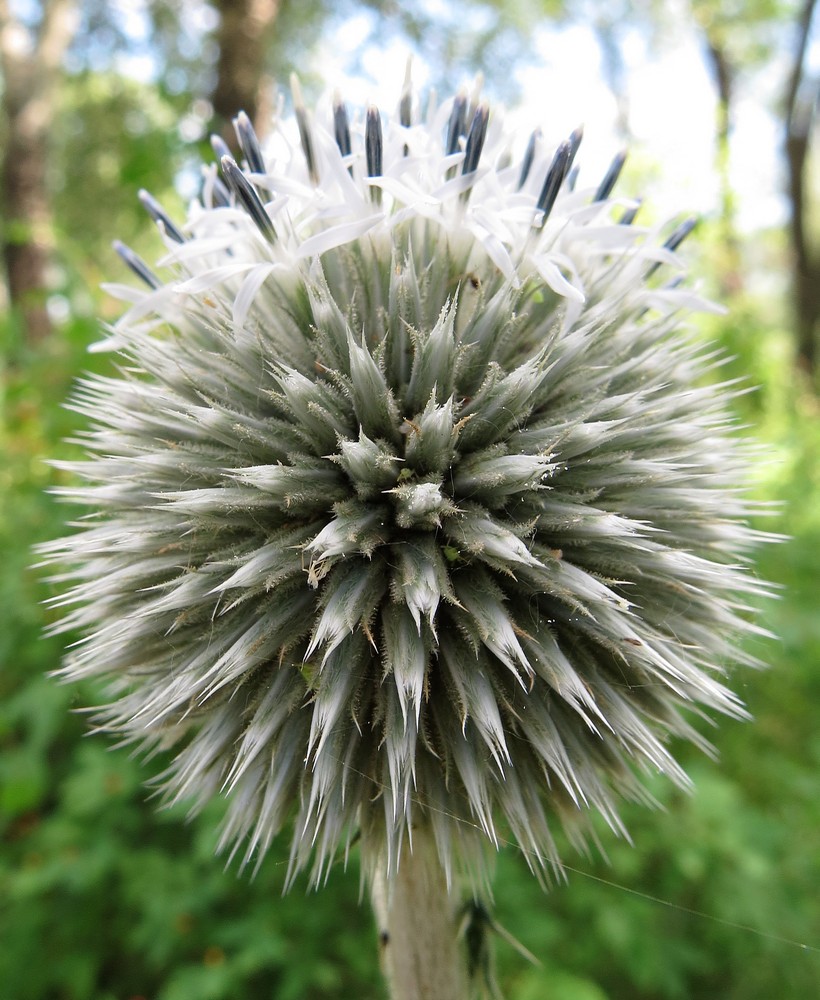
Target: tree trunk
column 800, row 114
column 244, row 27
column 30, row 73
column 418, row 927
column 28, row 243
column 723, row 76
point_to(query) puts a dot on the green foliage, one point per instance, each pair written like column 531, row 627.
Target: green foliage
column 113, row 137
column 747, row 31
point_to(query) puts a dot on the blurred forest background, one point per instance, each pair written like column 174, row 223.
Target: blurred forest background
column 103, row 898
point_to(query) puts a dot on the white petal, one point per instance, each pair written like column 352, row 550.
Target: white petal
column 212, row 277
column 336, row 236
column 551, row 273
column 247, row 293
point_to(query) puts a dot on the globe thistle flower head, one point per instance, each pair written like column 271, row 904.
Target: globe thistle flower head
column 410, row 501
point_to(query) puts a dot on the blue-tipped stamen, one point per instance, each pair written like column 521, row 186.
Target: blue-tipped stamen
column 341, row 126
column 677, row 237
column 629, row 214
column 610, row 177
column 137, row 264
column 475, row 139
column 247, row 196
column 303, row 124
column 574, row 144
column 249, row 143
column 529, row 156
column 220, row 195
column 475, row 97
column 553, row 181
column 457, row 124
column 373, row 148
column 680, row 234
column 160, row 216
column 571, row 172
column 220, row 147
column 406, row 102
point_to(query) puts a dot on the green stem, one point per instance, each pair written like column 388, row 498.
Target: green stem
column 418, row 926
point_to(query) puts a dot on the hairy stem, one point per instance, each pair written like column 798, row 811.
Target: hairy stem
column 417, row 921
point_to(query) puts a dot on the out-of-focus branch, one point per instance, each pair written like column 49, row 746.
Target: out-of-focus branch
column 800, row 114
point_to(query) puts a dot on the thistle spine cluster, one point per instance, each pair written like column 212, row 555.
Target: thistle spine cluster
column 410, row 502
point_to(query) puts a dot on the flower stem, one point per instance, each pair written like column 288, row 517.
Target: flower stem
column 417, row 921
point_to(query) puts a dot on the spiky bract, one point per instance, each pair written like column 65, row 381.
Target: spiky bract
column 410, row 498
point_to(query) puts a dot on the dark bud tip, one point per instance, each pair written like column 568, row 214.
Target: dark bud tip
column 220, row 196
column 611, row 177
column 406, row 102
column 629, row 214
column 575, row 138
column 475, row 139
column 341, row 126
column 571, row 172
column 457, row 124
column 307, row 143
column 680, row 234
column 247, row 197
column 249, row 143
column 373, row 146
column 303, row 122
column 158, row 214
column 220, row 147
column 553, row 181
column 137, row 264
column 529, row 156
column 677, row 237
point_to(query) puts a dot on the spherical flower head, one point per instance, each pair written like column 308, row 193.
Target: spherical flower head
column 411, row 502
